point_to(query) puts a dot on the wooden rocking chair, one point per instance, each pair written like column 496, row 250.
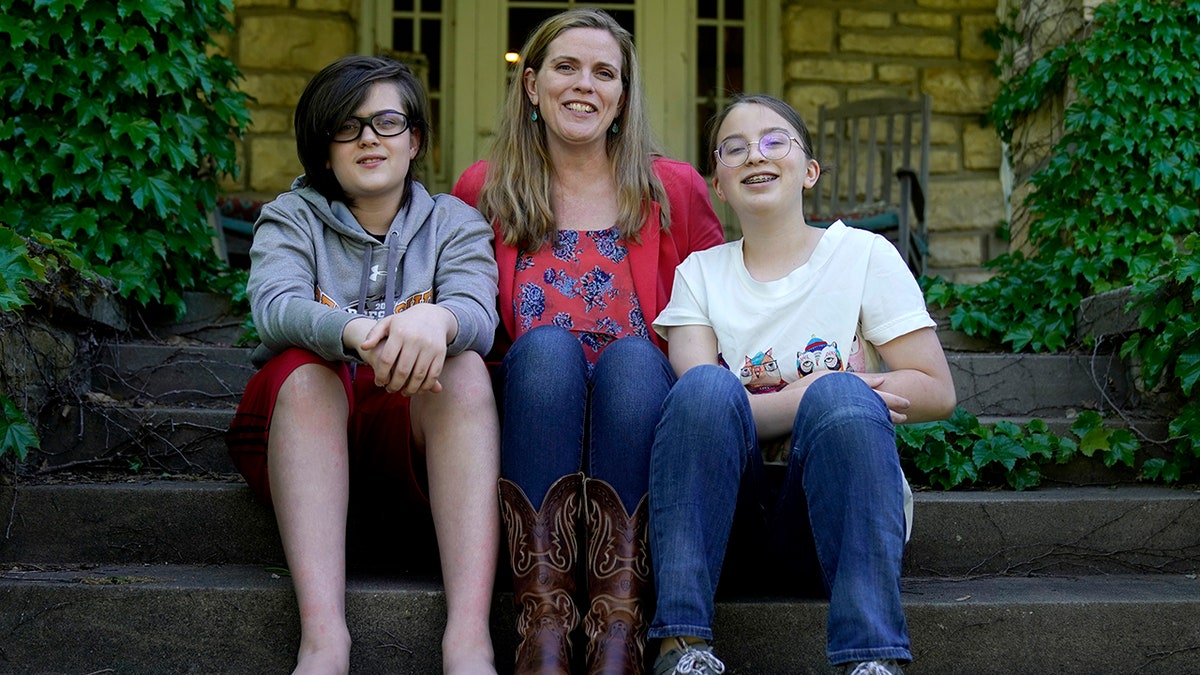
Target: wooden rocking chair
column 874, row 157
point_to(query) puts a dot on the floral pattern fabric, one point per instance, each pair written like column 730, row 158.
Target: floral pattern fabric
column 582, row 283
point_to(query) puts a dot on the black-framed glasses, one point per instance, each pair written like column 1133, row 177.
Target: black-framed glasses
column 385, row 125
column 733, row 152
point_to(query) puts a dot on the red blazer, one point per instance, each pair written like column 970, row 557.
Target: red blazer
column 694, row 226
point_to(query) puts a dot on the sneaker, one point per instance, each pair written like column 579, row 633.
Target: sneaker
column 695, row 659
column 873, row 668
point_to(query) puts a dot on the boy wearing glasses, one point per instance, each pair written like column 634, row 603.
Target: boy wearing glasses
column 374, row 301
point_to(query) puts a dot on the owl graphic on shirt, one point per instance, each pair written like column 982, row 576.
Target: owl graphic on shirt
column 818, row 355
column 760, row 373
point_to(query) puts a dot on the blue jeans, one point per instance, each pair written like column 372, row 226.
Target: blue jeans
column 838, row 518
column 558, row 418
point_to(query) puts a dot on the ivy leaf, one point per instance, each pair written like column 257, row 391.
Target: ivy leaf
column 1025, row 476
column 16, row 434
column 1122, row 446
column 1187, row 368
column 999, row 449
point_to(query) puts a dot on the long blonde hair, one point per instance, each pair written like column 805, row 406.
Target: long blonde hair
column 516, row 192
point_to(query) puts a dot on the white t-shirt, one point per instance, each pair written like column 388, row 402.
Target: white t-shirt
column 854, row 293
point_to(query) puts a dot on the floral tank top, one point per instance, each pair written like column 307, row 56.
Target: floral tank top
column 582, row 283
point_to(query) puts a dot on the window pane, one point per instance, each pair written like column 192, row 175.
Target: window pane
column 522, row 21
column 402, row 35
column 734, row 60
column 706, row 9
column 431, row 6
column 402, row 5
column 431, row 47
column 734, row 10
column 623, row 17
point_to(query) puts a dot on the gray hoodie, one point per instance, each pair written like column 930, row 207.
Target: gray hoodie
column 313, row 269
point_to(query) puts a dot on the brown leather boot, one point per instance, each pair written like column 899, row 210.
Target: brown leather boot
column 619, row 581
column 543, row 551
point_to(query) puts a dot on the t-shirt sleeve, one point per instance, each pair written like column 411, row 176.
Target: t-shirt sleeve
column 688, row 305
column 893, row 304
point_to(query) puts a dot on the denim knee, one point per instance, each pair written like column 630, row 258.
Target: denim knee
column 709, row 402
column 840, row 398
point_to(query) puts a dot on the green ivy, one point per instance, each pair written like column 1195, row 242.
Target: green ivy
column 119, row 117
column 17, row 268
column 1116, row 205
column 962, row 452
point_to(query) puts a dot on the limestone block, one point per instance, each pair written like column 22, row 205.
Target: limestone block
column 830, row 71
column 917, row 46
column 246, row 4
column 273, row 163
column 326, row 5
column 293, row 42
column 858, row 18
column 965, row 90
column 972, row 203
column 1035, row 137
column 943, row 132
column 807, row 99
column 944, row 160
column 274, row 89
column 981, row 148
column 271, row 121
column 1018, row 228
column 956, row 250
column 808, row 30
column 930, row 20
column 957, row 4
column 1046, row 24
column 860, row 93
column 969, row 275
column 896, row 73
column 974, row 44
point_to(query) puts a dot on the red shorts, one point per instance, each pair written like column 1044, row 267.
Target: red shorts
column 383, row 453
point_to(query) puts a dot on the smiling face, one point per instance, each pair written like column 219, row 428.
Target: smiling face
column 578, row 90
column 760, row 183
column 372, row 169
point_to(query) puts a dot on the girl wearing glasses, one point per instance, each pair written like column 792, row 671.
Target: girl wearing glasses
column 816, row 338
column 374, row 301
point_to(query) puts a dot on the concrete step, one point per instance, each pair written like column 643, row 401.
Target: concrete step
column 242, row 619
column 1130, row 529
column 104, row 434
column 987, row 384
column 154, row 373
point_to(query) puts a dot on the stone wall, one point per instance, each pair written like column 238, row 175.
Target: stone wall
column 845, row 50
column 835, row 51
column 279, row 45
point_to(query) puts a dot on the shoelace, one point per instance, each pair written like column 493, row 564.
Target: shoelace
column 698, row 661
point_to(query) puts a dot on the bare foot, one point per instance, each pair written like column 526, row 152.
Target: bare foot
column 327, row 656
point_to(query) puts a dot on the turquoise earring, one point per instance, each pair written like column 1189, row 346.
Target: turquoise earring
column 615, row 128
column 533, row 116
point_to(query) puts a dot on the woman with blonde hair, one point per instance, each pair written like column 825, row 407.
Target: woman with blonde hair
column 590, row 222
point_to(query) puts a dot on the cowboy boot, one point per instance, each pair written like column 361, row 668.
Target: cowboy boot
column 618, row 575
column 543, row 551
